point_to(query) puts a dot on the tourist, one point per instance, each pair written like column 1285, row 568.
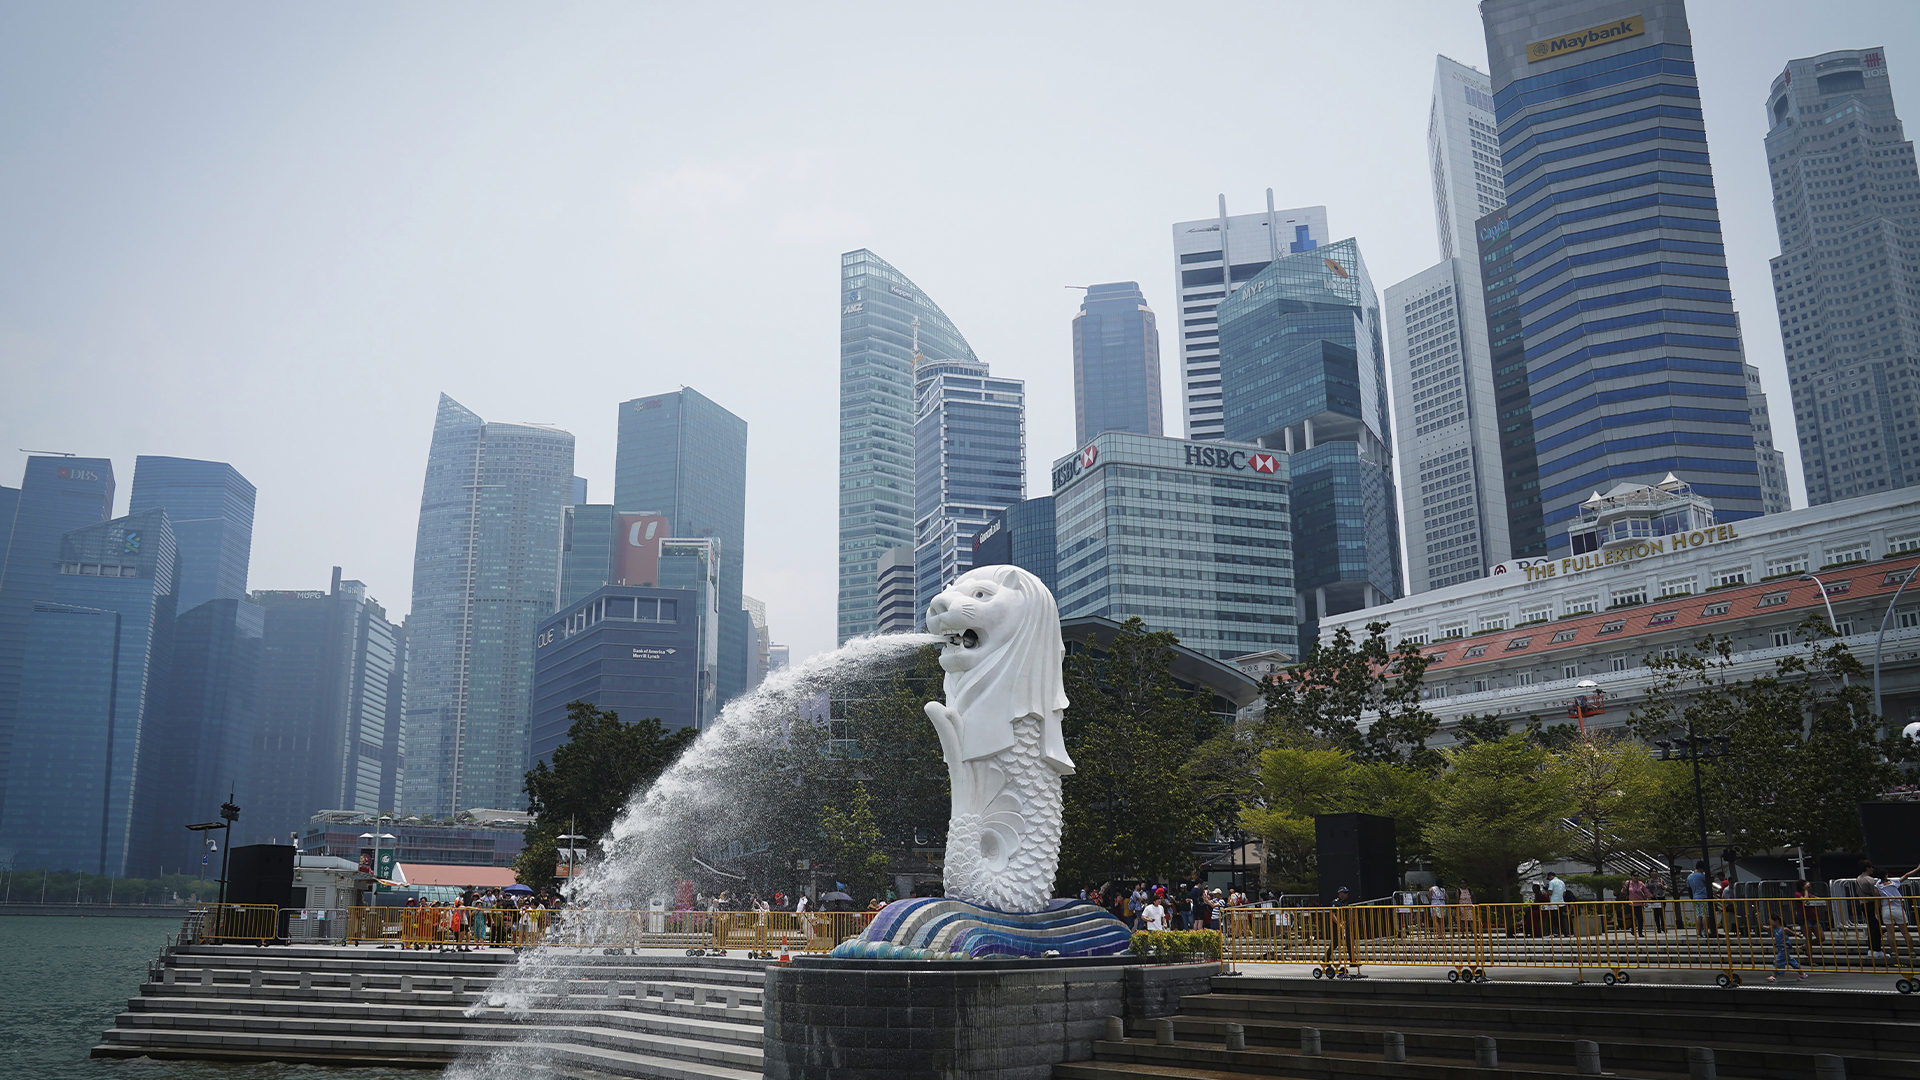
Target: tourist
column 1555, row 907
column 1340, row 930
column 1464, row 897
column 1868, row 886
column 1700, row 889
column 1893, row 910
column 1437, row 906
column 1657, row 890
column 1637, row 897
column 1782, row 952
column 1153, row 916
column 1201, row 909
column 1812, row 932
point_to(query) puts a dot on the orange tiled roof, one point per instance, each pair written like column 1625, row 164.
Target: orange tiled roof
column 480, row 877
column 1782, row 596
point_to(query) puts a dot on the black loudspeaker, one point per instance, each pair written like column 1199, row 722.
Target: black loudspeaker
column 1892, row 831
column 1355, row 850
column 261, row 874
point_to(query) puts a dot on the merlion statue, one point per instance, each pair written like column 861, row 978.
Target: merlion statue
column 1000, row 734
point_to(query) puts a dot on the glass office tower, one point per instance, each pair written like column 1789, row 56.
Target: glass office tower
column 56, row 496
column 970, row 462
column 486, row 572
column 210, row 507
column 1303, row 369
column 332, row 673
column 684, row 457
column 1021, row 535
column 1116, row 363
column 879, row 307
column 1634, row 365
column 1193, row 538
column 586, row 551
column 95, row 672
column 1846, row 200
column 1507, row 349
column 630, row 649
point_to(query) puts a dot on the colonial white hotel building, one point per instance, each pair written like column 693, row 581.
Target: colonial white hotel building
column 1654, row 572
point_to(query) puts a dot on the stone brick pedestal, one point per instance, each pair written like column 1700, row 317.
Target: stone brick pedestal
column 957, row 1020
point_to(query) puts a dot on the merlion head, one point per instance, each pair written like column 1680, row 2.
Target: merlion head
column 1002, row 658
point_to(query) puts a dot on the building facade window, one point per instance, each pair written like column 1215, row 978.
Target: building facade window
column 1677, row 587
column 1619, row 663
column 1782, row 638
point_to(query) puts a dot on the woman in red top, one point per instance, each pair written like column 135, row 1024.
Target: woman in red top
column 1811, row 931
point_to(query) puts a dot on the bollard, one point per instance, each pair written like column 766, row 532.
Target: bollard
column 1116, row 1029
column 1700, row 1063
column 733, row 1001
column 1586, row 1058
column 255, row 979
column 1236, row 1037
column 353, row 983
column 1829, row 1067
column 306, row 980
column 166, row 977
column 699, row 995
column 406, row 984
column 206, row 976
column 459, row 986
column 1163, row 1032
column 612, row 997
column 1309, row 1042
column 1393, row 1046
column 1486, row 1052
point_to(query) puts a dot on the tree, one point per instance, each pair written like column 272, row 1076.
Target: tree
column 1295, row 785
column 1613, row 784
column 596, row 771
column 1324, row 698
column 1500, row 807
column 853, row 845
column 1131, row 730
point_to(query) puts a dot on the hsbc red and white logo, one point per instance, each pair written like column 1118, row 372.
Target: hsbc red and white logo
column 1088, row 456
column 1263, row 462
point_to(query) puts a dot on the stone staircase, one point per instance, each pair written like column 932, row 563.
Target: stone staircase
column 1639, row 1031
column 662, row 1016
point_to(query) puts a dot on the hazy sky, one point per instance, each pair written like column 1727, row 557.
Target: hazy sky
column 270, row 234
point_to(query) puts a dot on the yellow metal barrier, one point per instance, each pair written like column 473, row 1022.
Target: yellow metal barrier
column 1613, row 938
column 800, row 932
column 374, row 925
column 236, row 922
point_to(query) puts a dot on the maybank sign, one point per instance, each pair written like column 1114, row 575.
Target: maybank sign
column 1673, row 544
column 1632, row 26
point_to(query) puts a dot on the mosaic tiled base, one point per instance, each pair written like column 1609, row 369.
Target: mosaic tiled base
column 940, row 929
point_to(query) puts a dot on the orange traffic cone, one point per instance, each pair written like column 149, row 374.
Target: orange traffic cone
column 784, row 957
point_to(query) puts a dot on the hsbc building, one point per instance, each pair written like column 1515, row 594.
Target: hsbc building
column 1195, row 538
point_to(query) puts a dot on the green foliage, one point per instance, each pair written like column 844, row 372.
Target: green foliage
column 853, row 845
column 1499, row 807
column 592, row 776
column 68, row 887
column 1176, row 945
column 1133, row 805
column 1297, row 784
column 1323, row 699
column 1803, row 745
column 1613, row 783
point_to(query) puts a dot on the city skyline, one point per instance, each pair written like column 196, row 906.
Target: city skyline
column 329, row 489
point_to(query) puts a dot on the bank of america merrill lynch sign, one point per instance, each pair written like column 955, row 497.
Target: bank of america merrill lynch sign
column 1198, row 454
column 1631, row 26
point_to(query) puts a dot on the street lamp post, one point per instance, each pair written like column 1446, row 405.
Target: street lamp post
column 229, row 813
column 1695, row 750
column 1880, row 642
column 1832, row 623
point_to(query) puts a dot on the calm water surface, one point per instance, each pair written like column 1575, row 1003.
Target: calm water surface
column 64, row 979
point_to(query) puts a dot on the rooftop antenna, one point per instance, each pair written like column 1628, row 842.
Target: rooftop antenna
column 1273, row 231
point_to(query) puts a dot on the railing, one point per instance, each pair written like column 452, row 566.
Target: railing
column 695, row 931
column 314, row 926
column 1612, row 937
column 234, row 922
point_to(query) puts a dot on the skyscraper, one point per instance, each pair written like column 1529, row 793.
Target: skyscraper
column 331, row 675
column 684, row 457
column 970, row 461
column 629, row 648
column 1211, row 559
column 898, row 608
column 486, row 572
column 1022, row 535
column 586, row 551
column 878, row 306
column 94, row 671
column 1773, row 464
column 1116, row 363
column 1211, row 258
column 210, row 507
column 1633, row 355
column 1447, row 438
column 56, row 496
column 1846, row 200
column 1303, row 369
column 1507, row 353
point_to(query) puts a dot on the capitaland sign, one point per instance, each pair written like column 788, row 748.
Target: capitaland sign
column 1632, row 26
column 1676, row 544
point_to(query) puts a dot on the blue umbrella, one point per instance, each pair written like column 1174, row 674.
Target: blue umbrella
column 516, row 887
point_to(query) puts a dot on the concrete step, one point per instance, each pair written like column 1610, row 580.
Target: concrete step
column 1148, row 1061
column 743, row 1029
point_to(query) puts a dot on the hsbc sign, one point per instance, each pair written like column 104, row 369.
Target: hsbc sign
column 1198, row 455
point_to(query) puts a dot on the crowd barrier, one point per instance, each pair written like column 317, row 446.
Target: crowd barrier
column 693, row 931
column 1613, row 938
column 216, row 923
